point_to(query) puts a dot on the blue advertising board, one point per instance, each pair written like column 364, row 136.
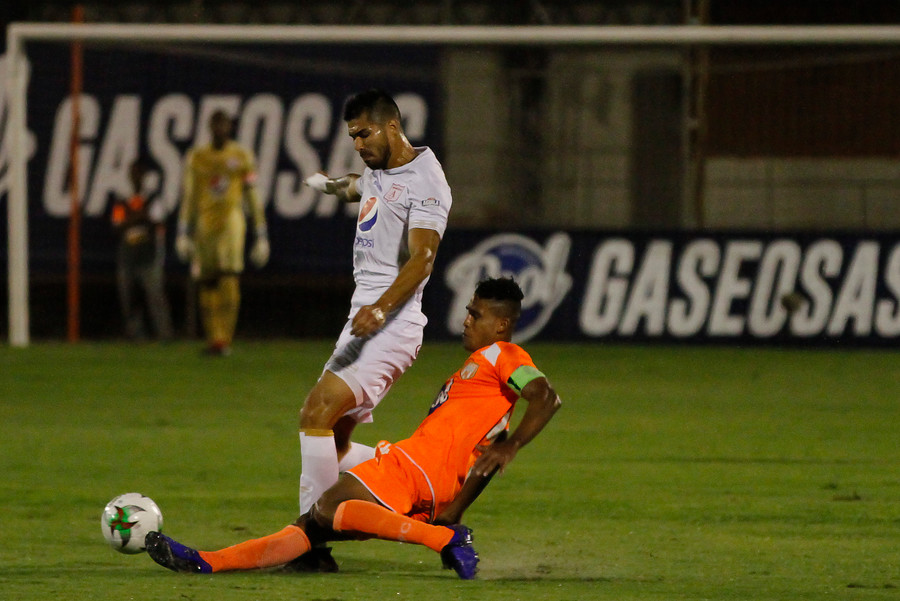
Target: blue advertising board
column 800, row 288
column 749, row 287
column 155, row 101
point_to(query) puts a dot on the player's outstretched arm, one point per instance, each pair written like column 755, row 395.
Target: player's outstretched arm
column 345, row 188
column 471, row 488
column 542, row 404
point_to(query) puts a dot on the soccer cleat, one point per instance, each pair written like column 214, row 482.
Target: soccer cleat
column 317, row 559
column 459, row 555
column 173, row 555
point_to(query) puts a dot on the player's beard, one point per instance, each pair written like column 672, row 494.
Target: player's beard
column 375, row 160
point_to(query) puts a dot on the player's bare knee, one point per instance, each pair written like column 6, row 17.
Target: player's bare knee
column 317, row 413
column 324, row 406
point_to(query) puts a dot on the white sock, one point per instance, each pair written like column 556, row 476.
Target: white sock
column 319, row 467
column 356, row 455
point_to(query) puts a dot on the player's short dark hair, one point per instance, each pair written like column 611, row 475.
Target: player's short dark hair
column 378, row 104
column 506, row 293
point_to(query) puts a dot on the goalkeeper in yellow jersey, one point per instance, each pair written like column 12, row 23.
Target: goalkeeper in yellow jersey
column 218, row 188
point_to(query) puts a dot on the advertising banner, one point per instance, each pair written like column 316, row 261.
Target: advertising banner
column 693, row 287
column 155, row 102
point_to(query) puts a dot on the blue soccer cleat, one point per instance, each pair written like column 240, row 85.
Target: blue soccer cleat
column 459, row 554
column 173, row 555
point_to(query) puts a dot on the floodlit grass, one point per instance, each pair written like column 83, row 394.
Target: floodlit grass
column 669, row 473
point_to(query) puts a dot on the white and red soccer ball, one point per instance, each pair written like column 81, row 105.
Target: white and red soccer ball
column 127, row 519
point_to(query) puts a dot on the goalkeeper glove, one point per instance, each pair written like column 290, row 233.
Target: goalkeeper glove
column 184, row 247
column 259, row 254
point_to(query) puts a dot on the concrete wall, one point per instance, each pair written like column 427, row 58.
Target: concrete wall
column 582, row 172
column 789, row 194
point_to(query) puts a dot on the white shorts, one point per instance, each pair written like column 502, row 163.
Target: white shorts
column 370, row 366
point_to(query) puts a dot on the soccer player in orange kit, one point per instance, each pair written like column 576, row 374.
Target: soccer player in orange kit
column 416, row 490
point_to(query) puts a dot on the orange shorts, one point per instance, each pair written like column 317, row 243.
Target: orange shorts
column 400, row 484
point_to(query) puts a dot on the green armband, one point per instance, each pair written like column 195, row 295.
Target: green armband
column 522, row 376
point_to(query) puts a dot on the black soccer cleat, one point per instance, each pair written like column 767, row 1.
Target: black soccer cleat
column 316, row 560
column 459, row 555
column 173, row 555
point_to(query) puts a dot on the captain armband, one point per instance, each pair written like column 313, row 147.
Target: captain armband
column 522, row 376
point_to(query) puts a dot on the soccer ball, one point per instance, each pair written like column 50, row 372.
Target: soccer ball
column 127, row 519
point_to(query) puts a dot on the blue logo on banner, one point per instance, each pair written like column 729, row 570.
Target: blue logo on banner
column 539, row 271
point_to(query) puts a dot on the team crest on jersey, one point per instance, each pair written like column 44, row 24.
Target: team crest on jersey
column 394, row 193
column 368, row 215
column 218, row 184
column 468, row 370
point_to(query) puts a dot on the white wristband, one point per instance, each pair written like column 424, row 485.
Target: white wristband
column 317, row 181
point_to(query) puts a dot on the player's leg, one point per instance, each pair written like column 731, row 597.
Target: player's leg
column 265, row 552
column 342, row 398
column 275, row 549
column 209, row 310
column 350, row 454
column 152, row 278
column 329, row 399
column 352, row 509
column 209, row 296
column 230, row 263
column 130, row 317
column 230, row 301
column 377, row 363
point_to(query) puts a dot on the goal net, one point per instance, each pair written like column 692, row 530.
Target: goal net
column 574, row 128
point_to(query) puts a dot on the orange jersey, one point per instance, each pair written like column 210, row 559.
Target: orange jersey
column 473, row 406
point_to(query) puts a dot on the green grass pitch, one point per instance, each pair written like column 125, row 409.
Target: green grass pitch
column 669, row 473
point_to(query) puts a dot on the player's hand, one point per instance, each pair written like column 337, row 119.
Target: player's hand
column 495, row 456
column 184, row 247
column 259, row 254
column 367, row 321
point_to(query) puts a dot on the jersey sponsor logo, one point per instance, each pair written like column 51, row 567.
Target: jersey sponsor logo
column 394, row 193
column 442, row 396
column 431, row 202
column 468, row 370
column 368, row 215
column 364, row 242
column 539, row 270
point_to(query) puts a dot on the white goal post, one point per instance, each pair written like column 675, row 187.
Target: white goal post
column 20, row 34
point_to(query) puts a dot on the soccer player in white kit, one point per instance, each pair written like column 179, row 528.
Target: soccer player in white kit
column 404, row 204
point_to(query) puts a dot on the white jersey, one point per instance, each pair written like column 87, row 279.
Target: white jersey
column 415, row 195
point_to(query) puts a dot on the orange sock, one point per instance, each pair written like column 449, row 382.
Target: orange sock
column 369, row 518
column 272, row 550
